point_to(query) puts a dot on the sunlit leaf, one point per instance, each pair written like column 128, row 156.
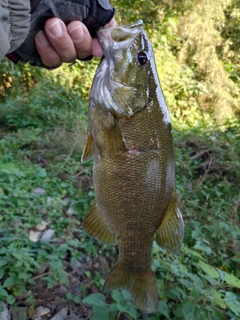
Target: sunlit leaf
column 229, row 279
column 211, row 271
column 217, row 298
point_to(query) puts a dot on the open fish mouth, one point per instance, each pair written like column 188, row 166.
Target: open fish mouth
column 119, row 33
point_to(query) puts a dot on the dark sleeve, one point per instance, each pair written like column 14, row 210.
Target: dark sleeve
column 93, row 13
column 14, row 24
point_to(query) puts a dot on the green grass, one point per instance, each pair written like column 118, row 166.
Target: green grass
column 41, row 146
column 43, row 121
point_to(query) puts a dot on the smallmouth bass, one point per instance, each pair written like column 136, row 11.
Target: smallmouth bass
column 130, row 140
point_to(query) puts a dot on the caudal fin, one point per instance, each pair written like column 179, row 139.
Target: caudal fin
column 141, row 286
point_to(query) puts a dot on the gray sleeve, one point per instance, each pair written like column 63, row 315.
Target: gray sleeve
column 14, row 24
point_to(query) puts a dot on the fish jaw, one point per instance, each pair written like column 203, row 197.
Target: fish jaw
column 115, row 39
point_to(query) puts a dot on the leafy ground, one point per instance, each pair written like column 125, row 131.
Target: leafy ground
column 41, row 140
column 43, row 184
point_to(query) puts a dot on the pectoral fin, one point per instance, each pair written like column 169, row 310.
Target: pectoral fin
column 88, row 149
column 171, row 231
column 96, row 227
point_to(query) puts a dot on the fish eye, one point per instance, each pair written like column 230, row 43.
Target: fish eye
column 142, row 57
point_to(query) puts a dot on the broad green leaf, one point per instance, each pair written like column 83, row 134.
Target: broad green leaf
column 195, row 293
column 217, row 315
column 3, row 292
column 212, row 281
column 217, row 298
column 113, row 307
column 163, row 308
column 100, row 312
column 10, row 281
column 77, row 299
column 117, row 296
column 126, row 295
column 203, row 248
column 3, row 262
column 193, row 252
column 10, row 299
column 229, row 279
column 232, row 302
column 18, row 256
column 234, row 306
column 128, row 308
column 211, row 271
column 230, row 296
column 191, row 311
column 188, row 284
column 196, row 280
column 18, row 264
column 95, row 299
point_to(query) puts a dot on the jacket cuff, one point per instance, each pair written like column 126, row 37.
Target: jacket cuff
column 19, row 16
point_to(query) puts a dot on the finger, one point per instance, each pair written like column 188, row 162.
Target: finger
column 47, row 53
column 60, row 40
column 110, row 24
column 81, row 38
column 97, row 50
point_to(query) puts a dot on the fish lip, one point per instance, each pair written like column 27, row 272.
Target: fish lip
column 138, row 23
column 104, row 35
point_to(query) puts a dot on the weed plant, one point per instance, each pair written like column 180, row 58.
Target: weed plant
column 41, row 140
column 41, row 146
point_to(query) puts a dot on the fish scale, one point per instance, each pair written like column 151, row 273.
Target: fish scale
column 130, row 140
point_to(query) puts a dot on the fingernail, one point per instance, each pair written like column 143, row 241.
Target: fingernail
column 41, row 38
column 56, row 29
column 77, row 34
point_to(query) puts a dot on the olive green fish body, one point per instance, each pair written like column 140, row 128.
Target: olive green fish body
column 130, row 140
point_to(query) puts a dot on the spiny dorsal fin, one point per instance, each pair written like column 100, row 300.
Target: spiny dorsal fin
column 171, row 231
column 88, row 149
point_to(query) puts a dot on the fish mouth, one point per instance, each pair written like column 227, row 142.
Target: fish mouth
column 117, row 37
column 119, row 33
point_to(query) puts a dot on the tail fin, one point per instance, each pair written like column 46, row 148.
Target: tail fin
column 142, row 286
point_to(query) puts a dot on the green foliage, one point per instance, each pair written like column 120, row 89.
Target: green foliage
column 197, row 50
column 120, row 304
column 43, row 119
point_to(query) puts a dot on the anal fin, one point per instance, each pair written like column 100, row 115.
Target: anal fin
column 96, row 227
column 171, row 230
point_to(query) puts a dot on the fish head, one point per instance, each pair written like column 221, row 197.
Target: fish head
column 126, row 70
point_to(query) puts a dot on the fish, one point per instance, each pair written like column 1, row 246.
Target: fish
column 130, row 141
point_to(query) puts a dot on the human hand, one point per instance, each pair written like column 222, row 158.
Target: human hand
column 60, row 43
column 46, row 47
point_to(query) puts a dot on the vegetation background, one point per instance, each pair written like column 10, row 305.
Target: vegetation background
column 43, row 119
